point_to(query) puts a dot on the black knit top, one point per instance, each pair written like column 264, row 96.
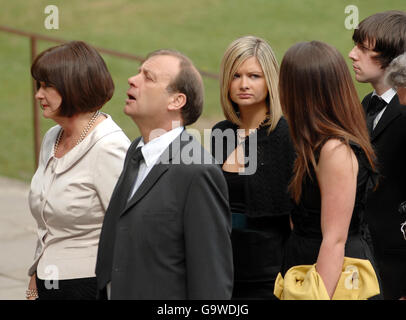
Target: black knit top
column 236, row 191
column 266, row 191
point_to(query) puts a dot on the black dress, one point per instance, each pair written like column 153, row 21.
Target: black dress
column 260, row 206
column 304, row 242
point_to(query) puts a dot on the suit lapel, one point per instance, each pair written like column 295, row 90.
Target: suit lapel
column 365, row 102
column 153, row 176
column 391, row 112
column 160, row 168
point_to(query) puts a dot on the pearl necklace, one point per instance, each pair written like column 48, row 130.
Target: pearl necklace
column 82, row 135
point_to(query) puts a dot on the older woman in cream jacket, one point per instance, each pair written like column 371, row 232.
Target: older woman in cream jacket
column 80, row 161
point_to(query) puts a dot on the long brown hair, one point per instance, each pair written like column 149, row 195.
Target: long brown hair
column 319, row 101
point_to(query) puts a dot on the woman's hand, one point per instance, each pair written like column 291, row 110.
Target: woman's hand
column 32, row 293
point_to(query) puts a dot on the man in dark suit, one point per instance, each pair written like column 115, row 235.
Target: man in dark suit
column 166, row 233
column 378, row 40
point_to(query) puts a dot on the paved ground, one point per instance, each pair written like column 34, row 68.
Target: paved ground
column 17, row 239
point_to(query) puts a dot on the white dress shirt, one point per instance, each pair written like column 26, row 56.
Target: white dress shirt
column 69, row 197
column 151, row 153
column 387, row 96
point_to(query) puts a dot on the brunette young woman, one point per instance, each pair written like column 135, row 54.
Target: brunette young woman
column 335, row 162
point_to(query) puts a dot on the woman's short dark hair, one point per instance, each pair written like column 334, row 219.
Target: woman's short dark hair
column 79, row 74
column 385, row 32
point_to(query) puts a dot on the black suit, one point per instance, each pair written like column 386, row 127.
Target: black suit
column 172, row 239
column 389, row 141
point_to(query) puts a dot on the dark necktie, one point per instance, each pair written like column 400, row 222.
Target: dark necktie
column 131, row 173
column 117, row 205
column 375, row 106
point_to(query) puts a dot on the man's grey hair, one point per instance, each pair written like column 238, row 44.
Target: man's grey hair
column 396, row 72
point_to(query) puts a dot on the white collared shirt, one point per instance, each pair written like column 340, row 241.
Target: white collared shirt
column 151, row 153
column 387, row 96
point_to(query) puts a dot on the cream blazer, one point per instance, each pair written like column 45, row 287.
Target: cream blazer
column 69, row 197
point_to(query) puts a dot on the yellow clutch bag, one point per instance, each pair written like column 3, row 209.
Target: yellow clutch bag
column 358, row 281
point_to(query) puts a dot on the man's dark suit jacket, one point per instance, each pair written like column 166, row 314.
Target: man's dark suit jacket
column 389, row 142
column 172, row 239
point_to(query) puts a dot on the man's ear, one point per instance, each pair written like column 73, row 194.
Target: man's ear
column 178, row 100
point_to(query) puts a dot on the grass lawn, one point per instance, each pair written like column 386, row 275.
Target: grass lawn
column 200, row 28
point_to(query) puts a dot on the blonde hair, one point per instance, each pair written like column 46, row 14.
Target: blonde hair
column 237, row 52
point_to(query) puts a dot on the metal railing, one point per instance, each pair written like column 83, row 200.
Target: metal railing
column 34, row 38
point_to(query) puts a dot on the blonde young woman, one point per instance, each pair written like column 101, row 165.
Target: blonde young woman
column 255, row 130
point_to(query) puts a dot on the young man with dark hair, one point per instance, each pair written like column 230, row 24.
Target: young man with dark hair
column 378, row 40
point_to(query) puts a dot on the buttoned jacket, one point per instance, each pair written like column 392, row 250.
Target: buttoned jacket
column 69, row 197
